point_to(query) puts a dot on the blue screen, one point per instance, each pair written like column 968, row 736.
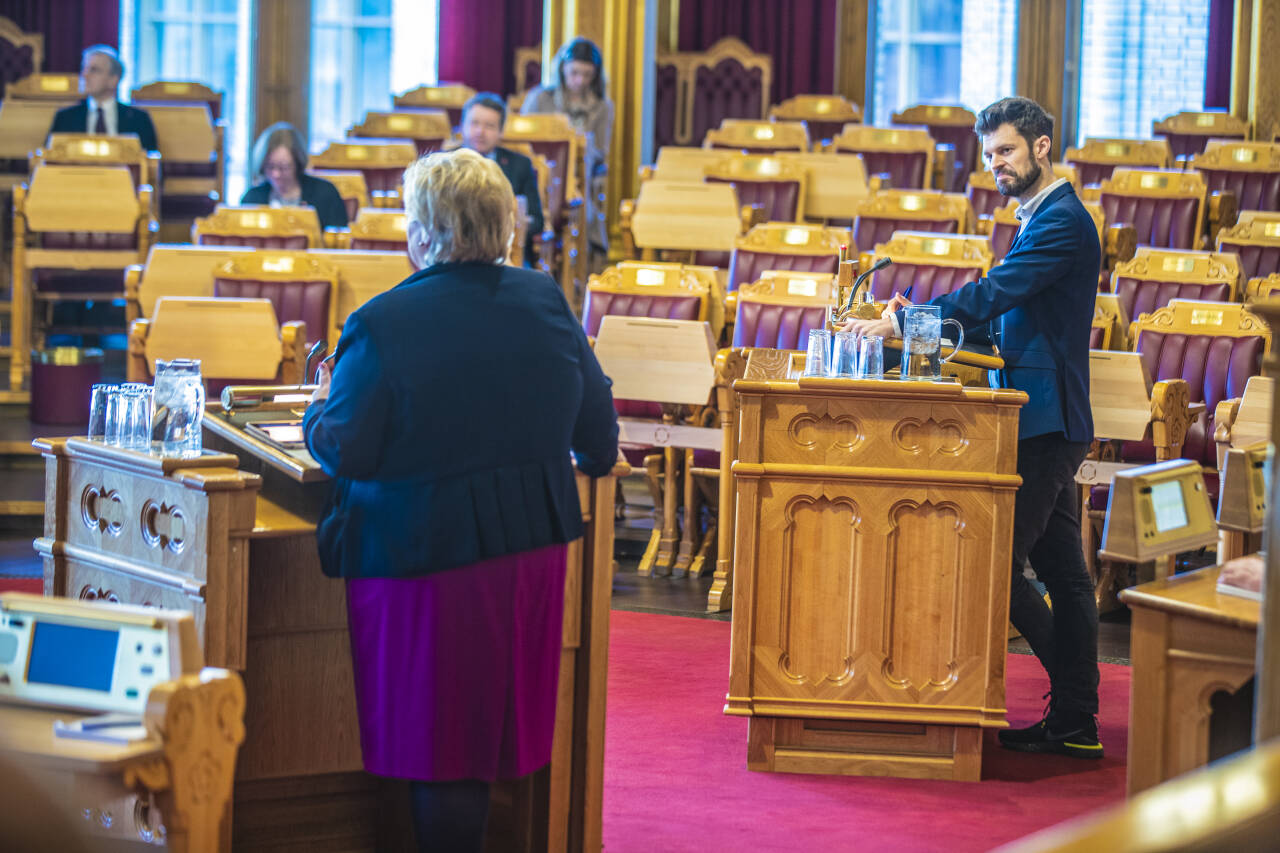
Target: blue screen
column 72, row 656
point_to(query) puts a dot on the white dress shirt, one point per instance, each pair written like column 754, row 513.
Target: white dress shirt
column 109, row 117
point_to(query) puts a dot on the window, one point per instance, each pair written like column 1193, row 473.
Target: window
column 363, row 51
column 941, row 51
column 206, row 41
column 1139, row 62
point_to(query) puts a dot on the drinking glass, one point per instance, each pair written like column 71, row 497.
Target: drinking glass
column 98, row 397
column 844, row 356
column 818, row 355
column 135, row 417
column 179, row 398
column 871, row 357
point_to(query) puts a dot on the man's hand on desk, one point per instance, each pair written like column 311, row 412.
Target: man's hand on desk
column 884, row 326
column 323, row 375
column 1244, row 572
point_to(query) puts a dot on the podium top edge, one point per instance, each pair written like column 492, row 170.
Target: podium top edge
column 887, row 389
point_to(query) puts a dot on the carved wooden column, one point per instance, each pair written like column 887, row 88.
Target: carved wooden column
column 851, row 51
column 1264, row 69
column 282, row 53
column 1042, row 55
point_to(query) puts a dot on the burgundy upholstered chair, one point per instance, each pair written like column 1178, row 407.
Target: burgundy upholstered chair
column 428, row 130
column 930, row 264
column 191, row 146
column 905, row 155
column 1249, row 170
column 178, row 92
column 1255, row 238
column 449, row 97
column 778, row 309
column 759, row 137
column 1166, row 208
column 300, row 287
column 352, row 188
column 877, row 217
column 21, row 53
column 825, row 115
column 259, row 227
column 785, row 246
column 948, row 125
column 527, row 68
column 667, row 113
column 382, row 163
column 728, row 81
column 1097, row 159
column 775, row 185
column 1187, row 132
column 983, row 195
column 373, row 230
column 1155, row 277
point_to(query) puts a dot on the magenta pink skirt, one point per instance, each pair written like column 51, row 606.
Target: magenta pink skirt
column 456, row 672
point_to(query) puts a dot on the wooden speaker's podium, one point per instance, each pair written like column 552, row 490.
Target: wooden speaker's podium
column 870, row 611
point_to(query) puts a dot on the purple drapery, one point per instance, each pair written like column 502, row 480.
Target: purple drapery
column 68, row 26
column 1217, row 77
column 800, row 36
column 478, row 40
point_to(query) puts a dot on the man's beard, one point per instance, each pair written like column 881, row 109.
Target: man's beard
column 1021, row 183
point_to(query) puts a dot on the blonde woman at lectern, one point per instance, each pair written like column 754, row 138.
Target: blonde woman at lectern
column 448, row 434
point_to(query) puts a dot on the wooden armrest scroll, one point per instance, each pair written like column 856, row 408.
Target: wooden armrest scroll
column 1121, row 244
column 293, row 352
column 1224, row 210
column 1170, row 417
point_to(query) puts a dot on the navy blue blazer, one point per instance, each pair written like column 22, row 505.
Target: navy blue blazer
column 1039, row 307
column 456, row 399
column 75, row 119
column 524, row 181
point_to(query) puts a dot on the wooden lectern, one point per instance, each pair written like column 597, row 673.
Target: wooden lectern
column 870, row 611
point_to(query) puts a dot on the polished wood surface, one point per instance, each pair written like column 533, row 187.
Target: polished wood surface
column 173, row 270
column 1188, row 643
column 866, row 508
column 681, row 215
column 260, row 220
column 233, row 338
column 759, row 136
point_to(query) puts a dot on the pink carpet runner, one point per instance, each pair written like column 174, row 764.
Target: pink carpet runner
column 676, row 776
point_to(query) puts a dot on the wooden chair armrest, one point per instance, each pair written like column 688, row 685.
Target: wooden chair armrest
column 1121, row 242
column 337, row 238
column 132, row 282
column 880, row 181
column 1091, row 192
column 136, row 367
column 1224, row 419
column 752, row 215
column 626, row 213
column 293, row 352
column 985, row 224
column 944, row 163
column 1223, row 212
column 1170, row 417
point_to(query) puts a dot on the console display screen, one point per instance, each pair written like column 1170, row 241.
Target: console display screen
column 1170, row 509
column 71, row 656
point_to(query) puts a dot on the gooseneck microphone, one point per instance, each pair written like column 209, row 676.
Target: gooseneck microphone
column 878, row 265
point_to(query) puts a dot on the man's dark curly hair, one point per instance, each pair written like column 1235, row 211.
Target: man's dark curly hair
column 1026, row 116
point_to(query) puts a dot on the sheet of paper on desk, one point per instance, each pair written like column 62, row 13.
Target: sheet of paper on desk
column 1228, row 589
column 105, row 728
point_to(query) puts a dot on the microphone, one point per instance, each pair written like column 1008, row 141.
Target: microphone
column 878, row 265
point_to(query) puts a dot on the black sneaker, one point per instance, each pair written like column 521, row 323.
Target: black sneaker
column 1077, row 738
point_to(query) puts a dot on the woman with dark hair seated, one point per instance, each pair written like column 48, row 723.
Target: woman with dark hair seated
column 579, row 93
column 448, row 434
column 279, row 162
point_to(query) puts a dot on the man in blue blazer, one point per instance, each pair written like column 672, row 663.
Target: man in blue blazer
column 1037, row 307
column 482, row 120
column 100, row 111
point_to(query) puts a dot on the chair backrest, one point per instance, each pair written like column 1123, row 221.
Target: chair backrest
column 1097, row 159
column 527, row 68
column 825, row 115
column 1110, row 315
column 785, row 246
column 1155, row 277
column 948, row 124
column 1250, row 170
column 57, row 86
column 878, row 216
column 983, row 195
column 85, row 149
column 931, row 264
column 773, row 184
column 233, row 338
column 351, row 186
column 174, row 269
column 259, row 226
column 428, row 129
column 696, row 91
column 757, row 136
column 378, row 229
column 1188, row 131
column 84, row 207
column 1214, row 346
column 778, row 309
column 382, row 163
column 1165, row 207
column 835, row 183
column 301, row 286
column 681, row 163
column 905, row 154
column 24, row 126
column 450, row 97
column 1256, row 239
column 686, row 215
column 21, row 53
column 178, row 91
column 552, row 136
column 191, row 146
column 362, row 276
column 639, row 289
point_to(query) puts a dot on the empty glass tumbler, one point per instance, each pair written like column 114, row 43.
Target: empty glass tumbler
column 99, row 395
column 818, row 355
column 844, row 355
column 871, row 357
column 129, row 417
column 179, row 412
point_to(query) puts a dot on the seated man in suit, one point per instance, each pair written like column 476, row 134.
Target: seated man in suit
column 100, row 111
column 482, row 119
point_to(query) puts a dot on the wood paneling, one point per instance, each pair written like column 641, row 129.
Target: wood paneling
column 851, row 51
column 282, row 52
column 1041, row 57
column 1264, row 68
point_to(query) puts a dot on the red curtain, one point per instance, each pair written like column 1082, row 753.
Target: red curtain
column 800, row 36
column 1217, row 77
column 68, row 26
column 478, row 40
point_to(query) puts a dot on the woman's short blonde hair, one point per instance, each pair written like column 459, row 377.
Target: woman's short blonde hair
column 465, row 204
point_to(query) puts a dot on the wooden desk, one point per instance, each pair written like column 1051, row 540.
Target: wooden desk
column 1188, row 643
column 250, row 572
column 867, row 510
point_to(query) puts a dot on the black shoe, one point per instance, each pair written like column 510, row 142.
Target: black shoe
column 1077, row 737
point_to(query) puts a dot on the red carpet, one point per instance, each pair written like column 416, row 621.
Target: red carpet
column 676, row 777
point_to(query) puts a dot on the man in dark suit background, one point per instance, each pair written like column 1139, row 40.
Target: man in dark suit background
column 1037, row 307
column 482, row 119
column 101, row 111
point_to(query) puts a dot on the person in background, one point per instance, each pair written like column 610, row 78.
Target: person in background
column 454, row 498
column 579, row 93
column 482, row 120
column 279, row 164
column 101, row 111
